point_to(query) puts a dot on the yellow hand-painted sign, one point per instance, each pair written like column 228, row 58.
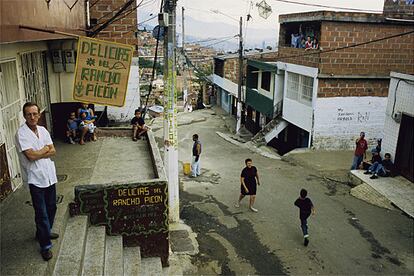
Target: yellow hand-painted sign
column 102, row 71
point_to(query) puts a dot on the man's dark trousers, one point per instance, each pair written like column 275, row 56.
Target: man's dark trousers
column 44, row 204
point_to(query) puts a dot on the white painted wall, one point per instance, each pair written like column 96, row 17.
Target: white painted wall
column 295, row 112
column 339, row 121
column 403, row 97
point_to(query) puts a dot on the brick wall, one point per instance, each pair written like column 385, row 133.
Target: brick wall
column 378, row 58
column 398, row 9
column 231, row 70
column 308, row 60
column 352, row 87
column 121, row 31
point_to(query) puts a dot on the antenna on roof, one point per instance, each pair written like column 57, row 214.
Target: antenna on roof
column 264, row 9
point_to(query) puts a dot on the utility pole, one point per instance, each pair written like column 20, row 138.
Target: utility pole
column 239, row 94
column 185, row 90
column 170, row 113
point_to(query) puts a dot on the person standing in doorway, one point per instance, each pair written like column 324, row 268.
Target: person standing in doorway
column 249, row 180
column 195, row 163
column 360, row 151
column 305, row 209
column 35, row 147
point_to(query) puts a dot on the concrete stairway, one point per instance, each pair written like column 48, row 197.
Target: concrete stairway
column 87, row 250
column 270, row 131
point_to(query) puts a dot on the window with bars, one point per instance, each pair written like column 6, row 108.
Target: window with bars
column 299, row 88
column 35, row 79
column 10, row 109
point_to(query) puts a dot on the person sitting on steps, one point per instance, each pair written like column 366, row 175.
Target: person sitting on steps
column 86, row 125
column 138, row 126
column 384, row 168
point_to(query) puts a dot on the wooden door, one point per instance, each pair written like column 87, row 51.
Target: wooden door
column 404, row 156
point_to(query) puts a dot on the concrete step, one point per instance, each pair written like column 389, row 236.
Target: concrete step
column 151, row 266
column 69, row 261
column 114, row 256
column 93, row 263
column 132, row 261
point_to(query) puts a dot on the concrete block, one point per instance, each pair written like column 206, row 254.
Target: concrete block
column 151, row 267
column 71, row 253
column 113, row 256
column 132, row 260
column 93, row 263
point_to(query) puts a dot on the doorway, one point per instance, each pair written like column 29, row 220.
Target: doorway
column 404, row 154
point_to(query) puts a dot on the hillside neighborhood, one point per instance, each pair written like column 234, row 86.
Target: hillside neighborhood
column 131, row 147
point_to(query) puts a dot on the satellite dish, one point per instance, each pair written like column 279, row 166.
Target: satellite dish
column 158, row 30
column 264, row 9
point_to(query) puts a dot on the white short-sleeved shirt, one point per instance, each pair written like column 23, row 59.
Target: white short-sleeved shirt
column 42, row 172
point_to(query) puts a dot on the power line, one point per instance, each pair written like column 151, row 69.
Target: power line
column 140, row 4
column 211, row 39
column 349, row 46
column 96, row 2
column 154, row 64
column 221, row 41
column 142, row 22
column 325, row 6
column 109, row 21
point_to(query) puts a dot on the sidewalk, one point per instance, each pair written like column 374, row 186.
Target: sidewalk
column 94, row 163
column 397, row 190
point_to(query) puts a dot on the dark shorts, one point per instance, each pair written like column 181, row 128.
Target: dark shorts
column 251, row 187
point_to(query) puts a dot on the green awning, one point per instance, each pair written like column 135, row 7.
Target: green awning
column 263, row 66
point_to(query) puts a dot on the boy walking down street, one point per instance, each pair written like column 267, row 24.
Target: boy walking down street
column 249, row 180
column 305, row 209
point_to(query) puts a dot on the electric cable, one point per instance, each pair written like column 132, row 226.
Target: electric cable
column 326, row 6
column 211, row 39
column 109, row 21
column 96, row 2
column 153, row 65
column 221, row 41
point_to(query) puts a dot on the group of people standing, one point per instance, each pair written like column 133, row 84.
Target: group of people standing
column 376, row 166
column 299, row 41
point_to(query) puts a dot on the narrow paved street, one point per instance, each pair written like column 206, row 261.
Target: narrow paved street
column 347, row 236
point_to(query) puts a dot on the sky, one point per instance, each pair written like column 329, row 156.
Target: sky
column 203, row 23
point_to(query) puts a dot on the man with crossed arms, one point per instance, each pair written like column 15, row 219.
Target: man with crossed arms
column 35, row 147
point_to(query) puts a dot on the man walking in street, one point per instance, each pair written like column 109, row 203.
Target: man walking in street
column 249, row 180
column 195, row 163
column 360, row 151
column 35, row 147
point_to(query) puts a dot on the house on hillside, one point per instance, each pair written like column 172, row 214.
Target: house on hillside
column 329, row 97
column 34, row 66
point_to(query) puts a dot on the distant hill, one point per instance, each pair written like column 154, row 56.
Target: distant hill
column 193, row 27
